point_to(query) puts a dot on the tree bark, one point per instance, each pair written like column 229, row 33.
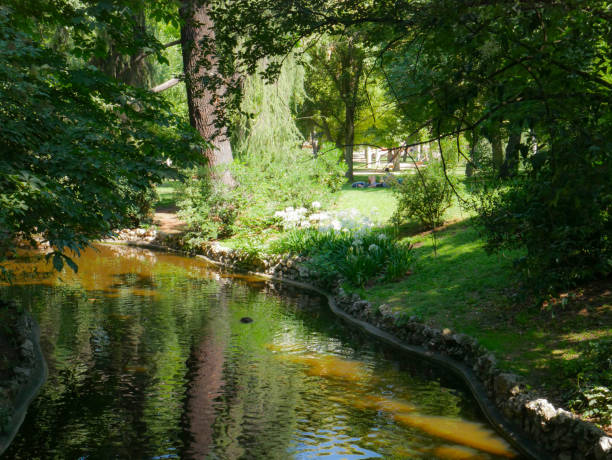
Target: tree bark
column 396, row 158
column 496, row 147
column 166, row 85
column 511, row 163
column 349, row 139
column 199, row 62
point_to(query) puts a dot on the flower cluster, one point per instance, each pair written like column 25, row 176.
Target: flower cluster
column 339, row 221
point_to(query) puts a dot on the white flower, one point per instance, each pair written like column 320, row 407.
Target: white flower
column 336, row 225
column 373, row 248
column 289, row 209
column 316, row 205
column 301, row 210
column 357, row 242
column 382, row 236
column 305, row 224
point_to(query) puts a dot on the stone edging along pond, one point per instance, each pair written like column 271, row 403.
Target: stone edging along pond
column 532, row 425
column 29, row 377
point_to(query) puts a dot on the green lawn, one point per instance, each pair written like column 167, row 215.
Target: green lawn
column 376, row 203
column 168, row 193
column 469, row 291
column 379, row 205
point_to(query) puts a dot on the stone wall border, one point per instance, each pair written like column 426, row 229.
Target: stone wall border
column 29, row 378
column 531, row 424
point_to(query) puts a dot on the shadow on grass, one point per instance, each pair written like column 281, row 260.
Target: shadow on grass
column 478, row 294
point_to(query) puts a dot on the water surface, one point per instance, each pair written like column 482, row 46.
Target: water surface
column 149, row 359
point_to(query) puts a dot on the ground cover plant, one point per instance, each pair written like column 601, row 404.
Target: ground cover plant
column 357, row 257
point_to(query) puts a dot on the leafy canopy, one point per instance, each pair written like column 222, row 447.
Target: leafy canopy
column 78, row 148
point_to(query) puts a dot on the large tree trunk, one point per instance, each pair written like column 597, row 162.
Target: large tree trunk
column 199, row 61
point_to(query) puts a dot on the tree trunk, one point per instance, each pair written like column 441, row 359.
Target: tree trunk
column 471, row 164
column 396, row 159
column 511, row 163
column 496, row 147
column 199, row 61
column 349, row 139
column 314, row 141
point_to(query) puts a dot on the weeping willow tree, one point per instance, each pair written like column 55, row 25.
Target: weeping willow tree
column 268, row 131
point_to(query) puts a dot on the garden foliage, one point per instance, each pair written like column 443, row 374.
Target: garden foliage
column 425, row 196
column 357, row 257
column 80, row 151
column 265, row 184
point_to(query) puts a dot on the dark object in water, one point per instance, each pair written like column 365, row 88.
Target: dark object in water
column 246, row 320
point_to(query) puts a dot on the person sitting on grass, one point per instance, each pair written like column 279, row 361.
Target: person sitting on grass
column 372, row 182
column 390, row 180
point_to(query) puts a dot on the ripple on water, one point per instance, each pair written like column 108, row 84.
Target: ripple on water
column 148, row 359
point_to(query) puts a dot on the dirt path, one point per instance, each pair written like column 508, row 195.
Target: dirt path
column 167, row 220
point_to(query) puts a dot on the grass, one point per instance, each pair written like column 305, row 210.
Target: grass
column 168, row 193
column 376, row 203
column 379, row 204
column 471, row 292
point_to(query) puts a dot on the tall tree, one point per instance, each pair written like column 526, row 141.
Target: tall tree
column 205, row 90
column 334, row 84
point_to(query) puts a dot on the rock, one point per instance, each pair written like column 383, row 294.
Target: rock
column 543, row 411
column 506, row 384
column 27, row 349
column 385, row 310
column 603, row 448
column 22, row 373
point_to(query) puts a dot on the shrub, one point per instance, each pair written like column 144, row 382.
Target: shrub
column 425, row 196
column 357, row 257
column 265, row 184
column 208, row 210
column 592, row 372
column 560, row 211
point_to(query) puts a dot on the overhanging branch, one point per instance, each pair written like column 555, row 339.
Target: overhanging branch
column 167, row 84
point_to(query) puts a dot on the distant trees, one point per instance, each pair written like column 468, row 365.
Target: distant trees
column 334, row 85
column 510, row 72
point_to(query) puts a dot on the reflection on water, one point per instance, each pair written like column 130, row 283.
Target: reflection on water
column 148, row 359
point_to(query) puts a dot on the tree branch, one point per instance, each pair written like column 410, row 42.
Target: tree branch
column 167, row 84
column 141, row 56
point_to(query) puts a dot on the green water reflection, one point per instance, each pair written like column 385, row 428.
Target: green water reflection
column 148, row 358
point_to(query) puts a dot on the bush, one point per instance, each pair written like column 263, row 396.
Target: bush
column 425, row 196
column 207, row 209
column 592, row 374
column 265, row 183
column 357, row 257
column 559, row 211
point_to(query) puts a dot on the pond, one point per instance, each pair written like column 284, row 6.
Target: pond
column 149, row 358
